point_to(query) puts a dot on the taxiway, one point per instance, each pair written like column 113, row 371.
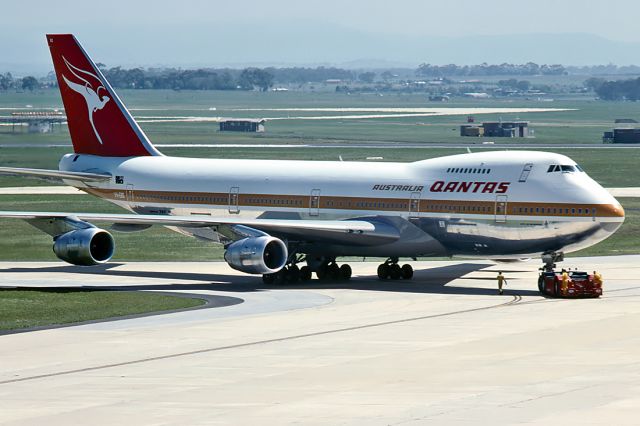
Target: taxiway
column 443, row 348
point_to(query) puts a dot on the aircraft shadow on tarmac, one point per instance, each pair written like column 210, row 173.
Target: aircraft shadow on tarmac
column 430, row 280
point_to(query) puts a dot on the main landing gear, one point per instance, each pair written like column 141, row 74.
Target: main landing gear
column 325, row 269
column 391, row 270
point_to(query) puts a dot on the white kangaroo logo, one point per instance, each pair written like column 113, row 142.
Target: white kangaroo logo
column 91, row 96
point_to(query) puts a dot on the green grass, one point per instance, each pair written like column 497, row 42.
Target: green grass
column 26, row 308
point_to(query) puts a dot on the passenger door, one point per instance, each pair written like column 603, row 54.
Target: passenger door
column 501, row 209
column 130, row 195
column 314, row 203
column 234, row 195
column 414, row 205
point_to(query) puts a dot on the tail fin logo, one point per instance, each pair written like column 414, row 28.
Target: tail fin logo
column 90, row 94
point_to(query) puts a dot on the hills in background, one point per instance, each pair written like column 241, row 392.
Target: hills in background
column 309, row 44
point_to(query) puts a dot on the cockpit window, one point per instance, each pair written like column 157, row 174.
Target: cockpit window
column 565, row 168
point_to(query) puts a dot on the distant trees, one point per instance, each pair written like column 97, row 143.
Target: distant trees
column 512, row 83
column 6, row 81
column 617, row 90
column 30, row 83
column 255, row 77
column 367, row 77
column 451, row 70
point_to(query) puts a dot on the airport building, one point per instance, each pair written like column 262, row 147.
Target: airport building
column 498, row 129
column 242, row 125
column 34, row 121
column 622, row 135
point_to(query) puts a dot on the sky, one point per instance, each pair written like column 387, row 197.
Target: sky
column 192, row 33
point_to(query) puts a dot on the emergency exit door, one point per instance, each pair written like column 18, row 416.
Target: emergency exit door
column 501, row 209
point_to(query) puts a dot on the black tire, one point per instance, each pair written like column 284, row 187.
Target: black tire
column 345, row 272
column 556, row 289
column 395, row 272
column 407, row 272
column 268, row 279
column 322, row 272
column 541, row 284
column 293, row 274
column 280, row 276
column 305, row 274
column 383, row 271
column 333, row 272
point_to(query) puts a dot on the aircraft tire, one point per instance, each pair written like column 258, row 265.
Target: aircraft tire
column 293, row 274
column 305, row 274
column 268, row 279
column 395, row 272
column 407, row 271
column 333, row 271
column 345, row 272
column 383, row 271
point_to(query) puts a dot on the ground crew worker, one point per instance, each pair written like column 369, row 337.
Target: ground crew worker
column 565, row 282
column 501, row 281
column 597, row 278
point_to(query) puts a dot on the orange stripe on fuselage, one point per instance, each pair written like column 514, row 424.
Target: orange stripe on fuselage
column 329, row 202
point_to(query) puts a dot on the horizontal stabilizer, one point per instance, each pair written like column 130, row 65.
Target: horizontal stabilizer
column 43, row 173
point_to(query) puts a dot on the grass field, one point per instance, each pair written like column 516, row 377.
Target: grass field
column 26, row 308
column 584, row 125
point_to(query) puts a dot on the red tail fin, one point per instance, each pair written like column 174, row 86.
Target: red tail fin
column 98, row 121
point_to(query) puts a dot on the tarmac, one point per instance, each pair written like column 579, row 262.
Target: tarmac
column 444, row 348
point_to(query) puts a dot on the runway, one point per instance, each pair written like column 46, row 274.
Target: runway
column 443, row 348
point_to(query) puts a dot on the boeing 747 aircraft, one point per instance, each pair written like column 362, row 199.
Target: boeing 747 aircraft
column 273, row 216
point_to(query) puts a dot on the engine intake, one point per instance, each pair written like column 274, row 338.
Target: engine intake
column 257, row 255
column 84, row 247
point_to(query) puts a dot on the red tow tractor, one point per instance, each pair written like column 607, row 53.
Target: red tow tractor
column 580, row 284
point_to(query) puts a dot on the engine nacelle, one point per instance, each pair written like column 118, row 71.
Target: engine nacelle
column 84, row 247
column 257, row 255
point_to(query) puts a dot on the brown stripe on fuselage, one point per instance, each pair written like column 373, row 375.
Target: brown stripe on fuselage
column 329, row 202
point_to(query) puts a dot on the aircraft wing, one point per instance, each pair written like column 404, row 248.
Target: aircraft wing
column 79, row 176
column 358, row 232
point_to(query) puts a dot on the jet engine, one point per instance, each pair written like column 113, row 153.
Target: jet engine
column 257, row 255
column 84, row 247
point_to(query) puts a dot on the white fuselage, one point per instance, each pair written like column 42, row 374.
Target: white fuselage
column 491, row 204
